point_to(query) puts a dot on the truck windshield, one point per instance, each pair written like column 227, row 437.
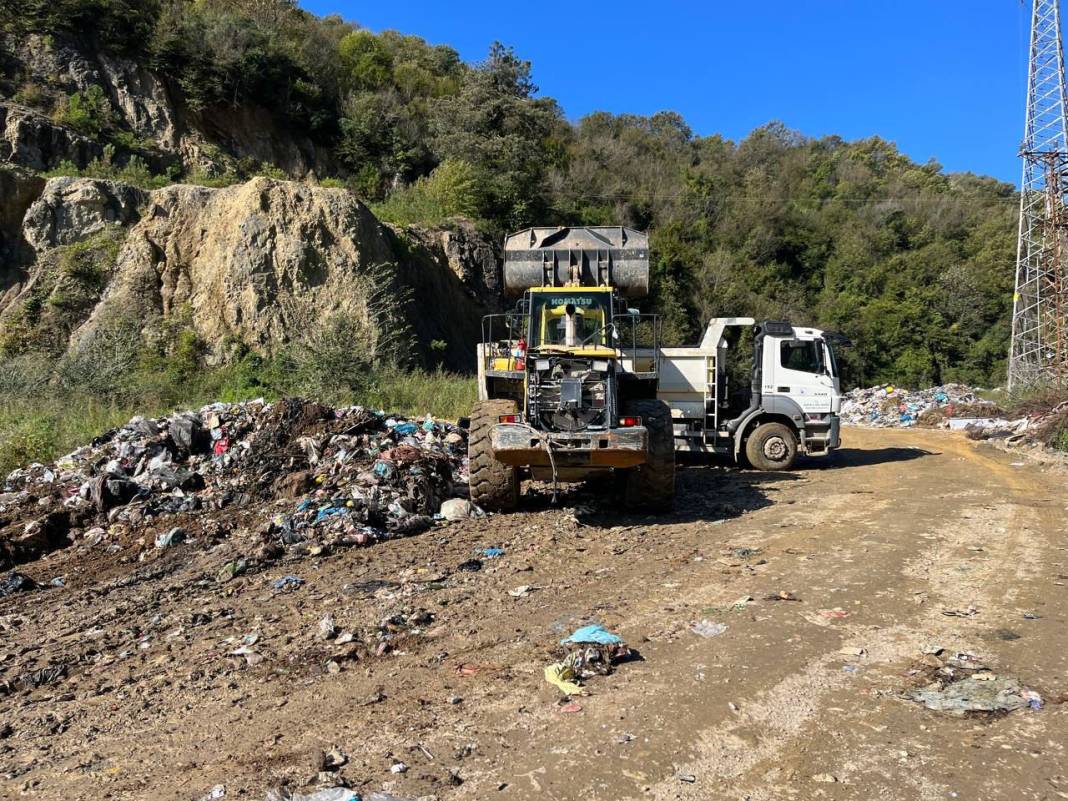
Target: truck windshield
column 548, row 317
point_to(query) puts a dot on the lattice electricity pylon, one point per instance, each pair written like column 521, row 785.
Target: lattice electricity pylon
column 1039, row 350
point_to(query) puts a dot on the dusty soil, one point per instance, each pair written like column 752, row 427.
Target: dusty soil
column 896, row 529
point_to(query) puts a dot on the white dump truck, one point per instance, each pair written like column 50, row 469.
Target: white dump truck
column 759, row 391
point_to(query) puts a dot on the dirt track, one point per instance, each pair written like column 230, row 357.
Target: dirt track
column 895, row 529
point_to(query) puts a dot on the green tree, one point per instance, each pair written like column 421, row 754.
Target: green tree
column 496, row 125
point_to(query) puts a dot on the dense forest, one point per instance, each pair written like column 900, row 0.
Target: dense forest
column 912, row 263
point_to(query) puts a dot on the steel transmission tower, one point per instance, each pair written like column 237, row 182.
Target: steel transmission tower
column 1039, row 351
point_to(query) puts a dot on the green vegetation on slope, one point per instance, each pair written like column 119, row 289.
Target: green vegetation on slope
column 913, row 264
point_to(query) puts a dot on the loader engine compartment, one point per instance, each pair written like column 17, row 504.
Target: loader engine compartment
column 570, row 394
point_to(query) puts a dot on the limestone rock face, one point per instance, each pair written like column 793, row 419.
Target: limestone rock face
column 30, row 139
column 258, row 261
column 71, row 209
column 144, row 103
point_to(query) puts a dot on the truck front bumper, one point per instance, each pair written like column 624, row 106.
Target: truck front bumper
column 520, row 446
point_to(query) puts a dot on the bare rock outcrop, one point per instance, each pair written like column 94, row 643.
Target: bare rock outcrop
column 71, row 209
column 256, row 262
column 32, row 140
column 144, row 103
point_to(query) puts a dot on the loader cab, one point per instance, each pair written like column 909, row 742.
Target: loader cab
column 564, row 319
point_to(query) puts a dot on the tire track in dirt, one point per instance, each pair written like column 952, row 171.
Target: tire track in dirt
column 775, row 756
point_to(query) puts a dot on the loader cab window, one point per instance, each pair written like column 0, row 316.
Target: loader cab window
column 805, row 356
column 549, row 319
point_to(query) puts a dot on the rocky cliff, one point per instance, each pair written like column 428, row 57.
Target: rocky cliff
column 142, row 105
column 253, row 262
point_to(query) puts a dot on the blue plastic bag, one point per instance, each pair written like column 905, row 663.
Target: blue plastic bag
column 595, row 634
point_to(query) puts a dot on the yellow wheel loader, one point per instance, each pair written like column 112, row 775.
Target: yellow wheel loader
column 568, row 380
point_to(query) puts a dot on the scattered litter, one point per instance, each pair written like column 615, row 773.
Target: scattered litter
column 215, row 793
column 849, row 651
column 833, row 614
column 589, row 651
column 522, row 591
column 15, row 582
column 470, row 566
column 1000, row 694
column 326, row 794
column 971, row 611
column 288, row 582
column 781, row 596
column 825, row 778
column 398, row 767
column 326, row 628
column 492, row 553
column 707, row 628
column 1034, row 700
column 961, row 683
column 688, row 778
column 459, row 509
column 172, row 537
column 251, row 657
column 571, row 708
column 562, row 677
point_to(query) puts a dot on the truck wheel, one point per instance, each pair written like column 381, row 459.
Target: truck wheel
column 650, row 487
column 494, row 486
column 771, row 446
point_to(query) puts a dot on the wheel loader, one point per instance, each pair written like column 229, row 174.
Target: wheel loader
column 573, row 382
column 568, row 379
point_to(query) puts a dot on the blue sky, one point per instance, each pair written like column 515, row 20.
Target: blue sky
column 944, row 79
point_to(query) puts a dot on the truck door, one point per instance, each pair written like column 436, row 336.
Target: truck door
column 797, row 369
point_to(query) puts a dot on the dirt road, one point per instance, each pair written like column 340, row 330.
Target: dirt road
column 895, row 530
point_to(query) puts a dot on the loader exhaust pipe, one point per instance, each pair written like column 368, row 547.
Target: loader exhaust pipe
column 570, row 333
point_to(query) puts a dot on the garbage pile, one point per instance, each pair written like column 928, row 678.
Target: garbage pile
column 327, row 477
column 888, row 406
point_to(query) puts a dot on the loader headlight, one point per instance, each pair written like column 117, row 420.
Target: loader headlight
column 600, row 366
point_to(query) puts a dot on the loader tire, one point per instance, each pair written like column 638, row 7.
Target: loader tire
column 771, row 446
column 650, row 487
column 494, row 486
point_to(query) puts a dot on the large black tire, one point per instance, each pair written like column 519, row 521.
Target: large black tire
column 650, row 487
column 771, row 446
column 494, row 486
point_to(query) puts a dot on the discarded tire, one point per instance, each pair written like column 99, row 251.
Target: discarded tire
column 650, row 487
column 494, row 486
column 772, row 446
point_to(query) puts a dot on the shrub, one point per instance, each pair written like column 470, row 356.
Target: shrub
column 31, row 94
column 102, row 362
column 88, row 112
